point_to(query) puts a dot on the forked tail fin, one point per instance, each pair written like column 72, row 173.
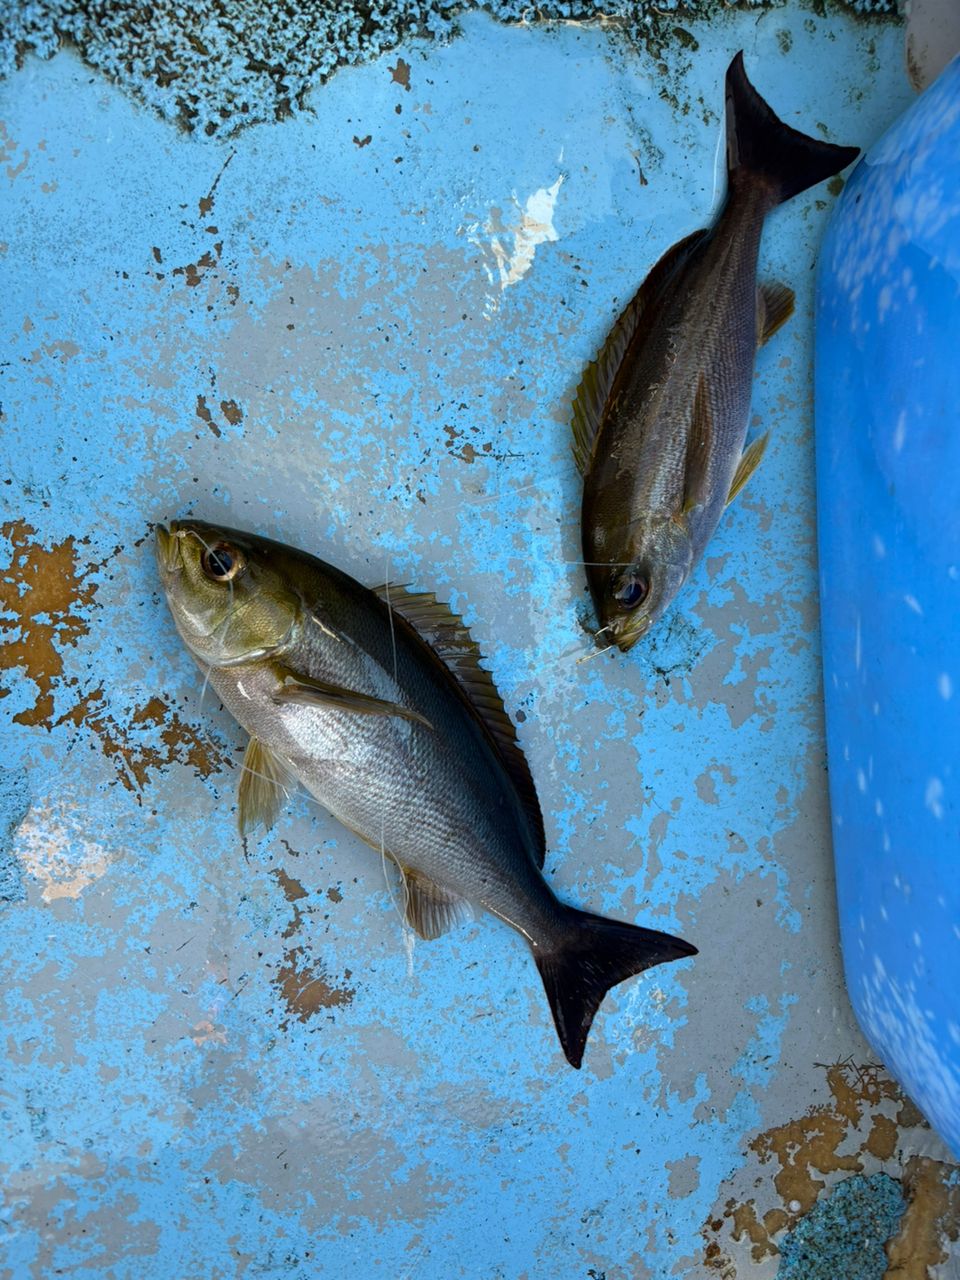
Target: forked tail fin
column 760, row 145
column 593, row 954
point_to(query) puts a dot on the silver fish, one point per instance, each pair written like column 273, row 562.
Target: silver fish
column 375, row 701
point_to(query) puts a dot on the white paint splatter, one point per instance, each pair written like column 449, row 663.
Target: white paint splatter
column 933, row 797
column 900, row 431
column 913, row 603
column 535, row 228
column 945, row 686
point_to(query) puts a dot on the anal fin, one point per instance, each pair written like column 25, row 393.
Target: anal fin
column 775, row 304
column 431, row 910
column 749, row 461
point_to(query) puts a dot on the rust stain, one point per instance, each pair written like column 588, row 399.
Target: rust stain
column 466, row 451
column 293, row 890
column 193, row 271
column 400, row 74
column 203, row 413
column 746, row 1223
column 305, row 989
column 231, row 411
column 137, row 749
column 206, row 202
column 931, row 1220
column 42, row 590
column 861, row 1125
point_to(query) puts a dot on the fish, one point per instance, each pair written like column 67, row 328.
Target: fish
column 660, row 416
column 375, row 700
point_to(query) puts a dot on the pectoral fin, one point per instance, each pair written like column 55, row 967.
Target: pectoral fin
column 749, row 461
column 699, row 447
column 309, row 692
column 265, row 784
column 430, row 909
column 775, row 304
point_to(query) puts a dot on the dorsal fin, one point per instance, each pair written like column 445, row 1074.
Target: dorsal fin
column 447, row 635
column 590, row 402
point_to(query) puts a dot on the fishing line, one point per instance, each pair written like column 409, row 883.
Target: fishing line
column 719, row 168
column 589, row 657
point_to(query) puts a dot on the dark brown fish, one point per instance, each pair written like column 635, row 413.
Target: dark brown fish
column 376, row 702
column 660, row 417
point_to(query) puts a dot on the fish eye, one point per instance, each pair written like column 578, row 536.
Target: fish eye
column 221, row 562
column 631, row 590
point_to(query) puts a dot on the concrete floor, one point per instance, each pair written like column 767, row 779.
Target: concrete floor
column 359, row 330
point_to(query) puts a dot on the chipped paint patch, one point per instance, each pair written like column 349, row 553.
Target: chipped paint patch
column 46, row 597
column 43, row 593
column 799, row 1163
column 931, row 1224
column 306, row 988
column 214, row 68
column 53, row 845
column 153, row 737
column 535, row 227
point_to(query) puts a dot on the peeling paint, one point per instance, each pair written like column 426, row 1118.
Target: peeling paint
column 535, row 227
column 43, row 593
column 215, row 68
column 46, row 595
column 54, row 848
column 931, row 1224
column 865, row 1122
column 306, row 988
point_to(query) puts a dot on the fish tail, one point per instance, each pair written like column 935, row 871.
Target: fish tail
column 760, row 147
column 592, row 954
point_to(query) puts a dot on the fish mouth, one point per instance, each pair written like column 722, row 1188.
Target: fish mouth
column 167, row 546
column 627, row 635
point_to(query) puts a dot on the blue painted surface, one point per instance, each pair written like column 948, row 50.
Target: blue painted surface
column 888, row 383
column 222, row 1060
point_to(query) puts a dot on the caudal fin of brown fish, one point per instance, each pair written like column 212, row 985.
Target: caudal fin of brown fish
column 594, row 954
column 760, row 147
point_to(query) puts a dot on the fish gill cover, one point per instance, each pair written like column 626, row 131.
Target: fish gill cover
column 217, row 65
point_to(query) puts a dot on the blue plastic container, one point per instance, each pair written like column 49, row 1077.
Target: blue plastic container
column 888, row 480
